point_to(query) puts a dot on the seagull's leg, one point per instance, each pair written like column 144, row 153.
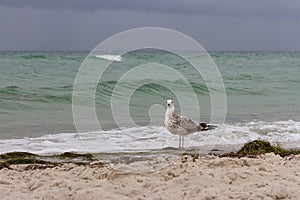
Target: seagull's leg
column 182, row 141
column 179, row 141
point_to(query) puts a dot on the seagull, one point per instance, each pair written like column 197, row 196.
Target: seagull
column 179, row 125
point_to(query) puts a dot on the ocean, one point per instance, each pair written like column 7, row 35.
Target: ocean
column 262, row 98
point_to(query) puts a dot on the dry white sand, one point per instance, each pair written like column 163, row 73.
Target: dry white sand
column 210, row 177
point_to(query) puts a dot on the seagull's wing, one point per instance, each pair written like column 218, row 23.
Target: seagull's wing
column 189, row 125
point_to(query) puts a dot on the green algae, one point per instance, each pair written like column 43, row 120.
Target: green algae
column 73, row 155
column 258, row 147
column 18, row 161
column 15, row 158
column 10, row 155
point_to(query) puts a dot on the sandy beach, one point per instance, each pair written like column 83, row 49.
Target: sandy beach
column 210, row 177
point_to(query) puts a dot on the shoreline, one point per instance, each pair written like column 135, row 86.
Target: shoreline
column 250, row 149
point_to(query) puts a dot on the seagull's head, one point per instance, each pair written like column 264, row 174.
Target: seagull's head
column 170, row 104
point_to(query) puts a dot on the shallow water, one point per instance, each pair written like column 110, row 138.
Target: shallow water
column 262, row 89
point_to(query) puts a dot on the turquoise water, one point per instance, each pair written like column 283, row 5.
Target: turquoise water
column 36, row 90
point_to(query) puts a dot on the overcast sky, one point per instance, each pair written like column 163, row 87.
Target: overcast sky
column 215, row 24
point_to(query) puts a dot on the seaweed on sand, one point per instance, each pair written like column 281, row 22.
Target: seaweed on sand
column 11, row 155
column 258, row 147
column 73, row 155
column 15, row 158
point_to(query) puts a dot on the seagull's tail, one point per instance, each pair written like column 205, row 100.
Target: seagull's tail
column 205, row 126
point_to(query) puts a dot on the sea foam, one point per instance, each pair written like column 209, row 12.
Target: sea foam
column 286, row 133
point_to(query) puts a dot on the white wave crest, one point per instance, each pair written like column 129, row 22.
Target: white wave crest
column 117, row 58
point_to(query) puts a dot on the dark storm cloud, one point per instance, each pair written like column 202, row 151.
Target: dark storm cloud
column 258, row 8
column 216, row 24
